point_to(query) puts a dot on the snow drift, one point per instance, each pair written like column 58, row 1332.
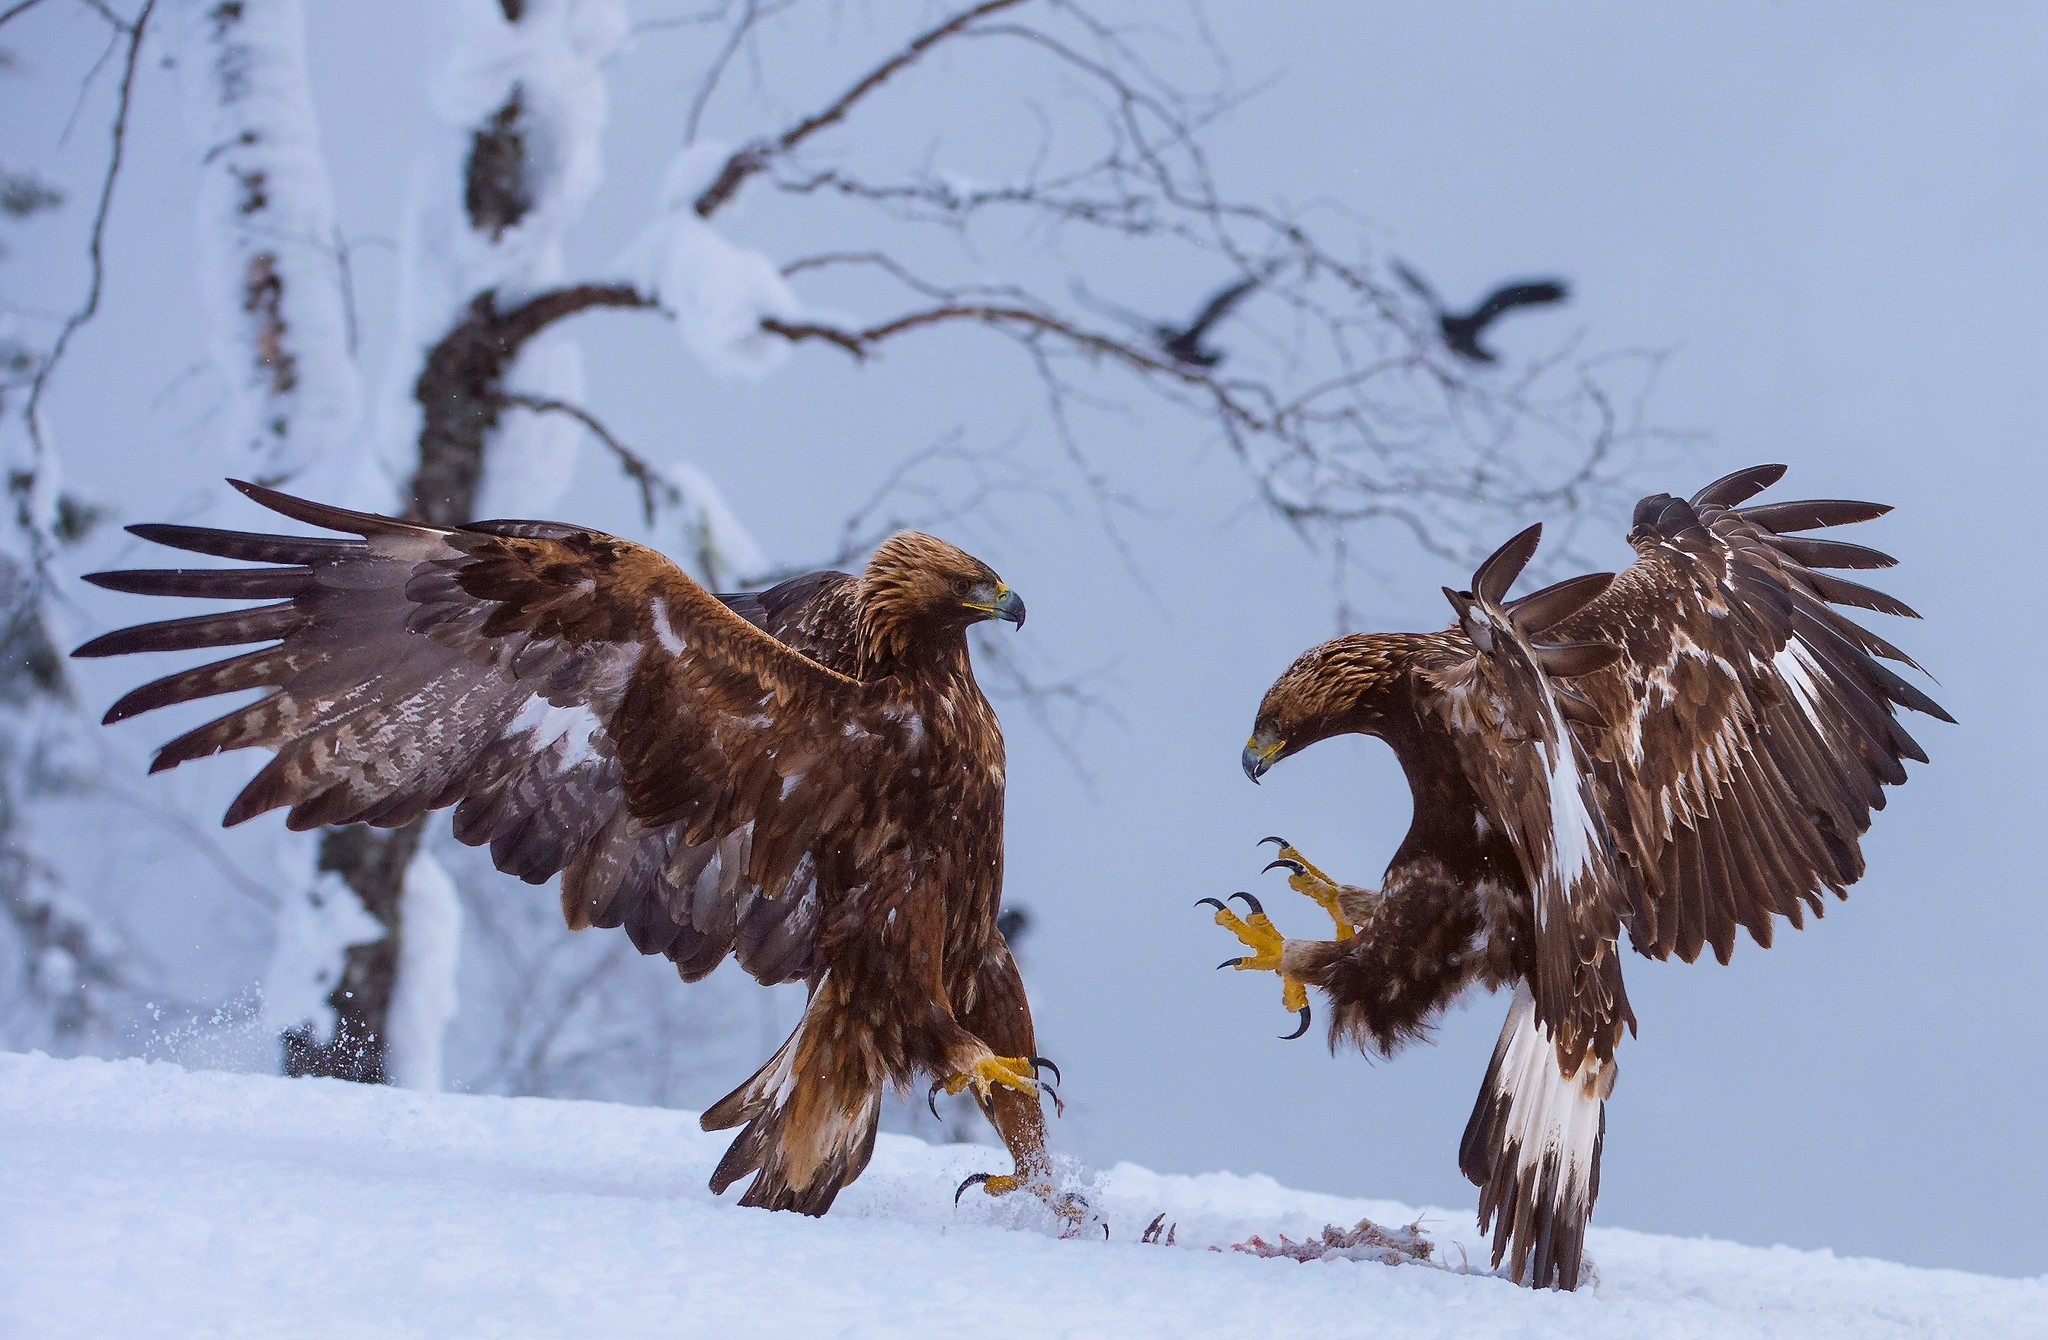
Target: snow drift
column 143, row 1200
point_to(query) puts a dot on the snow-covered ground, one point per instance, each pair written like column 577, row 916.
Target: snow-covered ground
column 139, row 1199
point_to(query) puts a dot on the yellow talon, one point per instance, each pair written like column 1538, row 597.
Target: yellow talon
column 1258, row 934
column 1068, row 1206
column 1305, row 879
column 1009, row 1072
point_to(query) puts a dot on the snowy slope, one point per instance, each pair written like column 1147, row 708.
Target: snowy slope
column 143, row 1200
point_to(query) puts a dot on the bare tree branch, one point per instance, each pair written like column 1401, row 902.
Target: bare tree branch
column 96, row 240
column 760, row 154
column 15, row 11
column 656, row 489
column 460, row 390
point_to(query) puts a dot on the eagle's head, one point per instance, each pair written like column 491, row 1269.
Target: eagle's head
column 1338, row 688
column 917, row 587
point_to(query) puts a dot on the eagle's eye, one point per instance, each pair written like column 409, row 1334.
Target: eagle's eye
column 961, row 586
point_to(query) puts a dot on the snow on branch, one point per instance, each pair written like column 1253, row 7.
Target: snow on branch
column 521, row 105
column 267, row 229
column 720, row 295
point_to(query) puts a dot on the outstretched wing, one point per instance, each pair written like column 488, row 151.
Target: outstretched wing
column 1750, row 726
column 1533, row 293
column 1218, row 307
column 588, row 708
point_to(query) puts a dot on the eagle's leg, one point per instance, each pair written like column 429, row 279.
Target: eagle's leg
column 1305, row 879
column 1001, row 1017
column 1258, row 934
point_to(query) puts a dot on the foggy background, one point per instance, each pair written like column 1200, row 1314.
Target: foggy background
column 1832, row 216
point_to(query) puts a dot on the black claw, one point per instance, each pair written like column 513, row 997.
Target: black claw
column 1258, row 908
column 976, row 1180
column 931, row 1100
column 1289, row 1037
column 1216, row 903
column 1228, row 963
column 1287, row 863
column 1039, row 1063
column 1276, row 841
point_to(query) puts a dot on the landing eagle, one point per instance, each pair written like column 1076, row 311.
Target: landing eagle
column 807, row 778
column 1688, row 748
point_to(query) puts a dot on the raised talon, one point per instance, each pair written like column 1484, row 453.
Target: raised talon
column 989, row 1073
column 1311, row 883
column 1257, row 932
column 1052, row 1090
column 1152, row 1231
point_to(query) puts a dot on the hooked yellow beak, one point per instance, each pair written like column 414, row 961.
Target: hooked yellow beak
column 1259, row 755
column 998, row 603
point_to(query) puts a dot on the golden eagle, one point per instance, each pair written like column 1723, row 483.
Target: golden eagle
column 1690, row 747
column 807, row 778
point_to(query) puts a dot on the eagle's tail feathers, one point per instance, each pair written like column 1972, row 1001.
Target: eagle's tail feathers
column 811, row 1114
column 1533, row 1149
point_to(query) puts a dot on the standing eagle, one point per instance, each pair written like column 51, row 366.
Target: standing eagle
column 807, row 778
column 1690, row 747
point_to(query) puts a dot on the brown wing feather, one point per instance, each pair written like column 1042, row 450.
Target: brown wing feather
column 586, row 707
column 1751, row 729
column 1506, row 710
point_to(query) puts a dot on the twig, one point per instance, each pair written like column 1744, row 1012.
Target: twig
column 15, row 11
column 645, row 476
column 757, row 156
column 96, row 241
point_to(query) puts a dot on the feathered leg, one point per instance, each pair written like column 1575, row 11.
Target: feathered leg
column 1001, row 1017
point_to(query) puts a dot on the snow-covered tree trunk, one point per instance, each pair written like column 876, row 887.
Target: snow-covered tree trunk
column 281, row 349
column 508, row 169
column 64, row 959
column 267, row 234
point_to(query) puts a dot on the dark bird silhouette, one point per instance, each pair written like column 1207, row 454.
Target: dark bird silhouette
column 1461, row 332
column 1183, row 344
column 1014, row 923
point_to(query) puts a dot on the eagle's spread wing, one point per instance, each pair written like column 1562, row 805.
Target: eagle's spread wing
column 587, row 707
column 1751, row 727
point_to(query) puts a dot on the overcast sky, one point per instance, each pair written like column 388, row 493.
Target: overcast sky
column 1832, row 214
